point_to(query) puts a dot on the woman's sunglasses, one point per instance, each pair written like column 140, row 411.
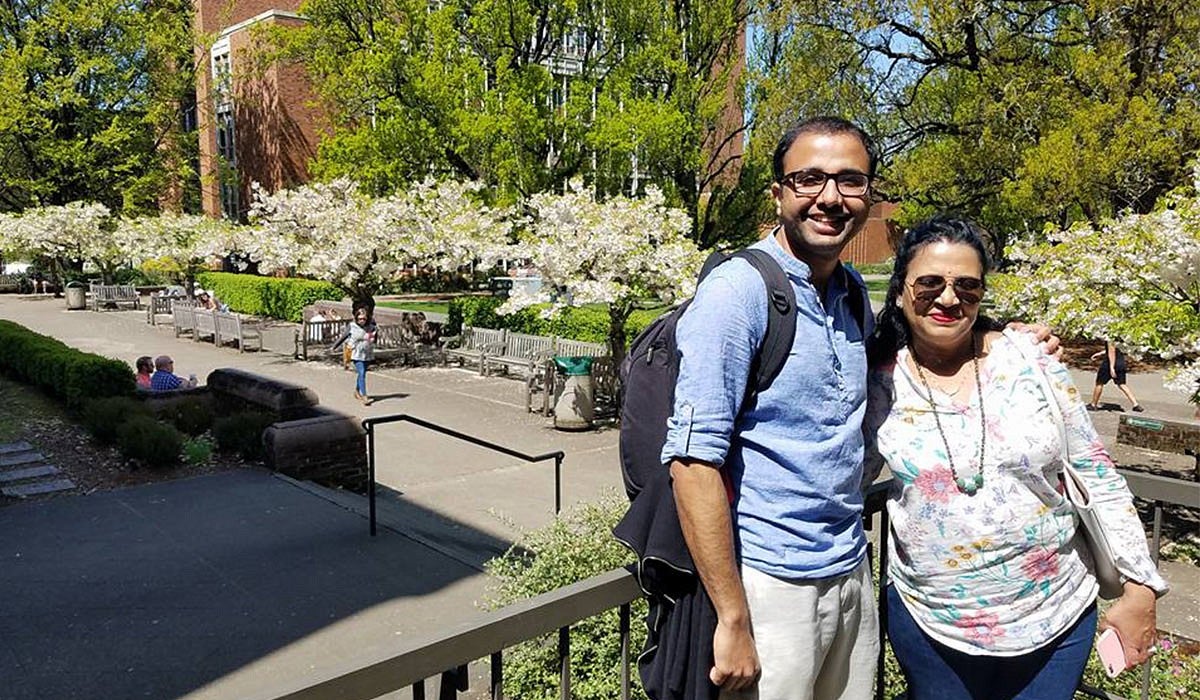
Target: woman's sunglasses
column 927, row 288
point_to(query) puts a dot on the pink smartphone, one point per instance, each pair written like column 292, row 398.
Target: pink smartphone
column 1111, row 652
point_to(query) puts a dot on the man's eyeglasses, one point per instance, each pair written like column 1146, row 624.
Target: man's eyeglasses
column 928, row 288
column 806, row 183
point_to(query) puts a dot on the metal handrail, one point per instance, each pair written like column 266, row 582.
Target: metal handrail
column 495, row 631
column 370, row 423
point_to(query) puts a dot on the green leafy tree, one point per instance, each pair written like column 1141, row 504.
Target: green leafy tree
column 526, row 96
column 1020, row 114
column 90, row 101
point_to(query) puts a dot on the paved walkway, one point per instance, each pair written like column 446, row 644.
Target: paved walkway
column 217, row 586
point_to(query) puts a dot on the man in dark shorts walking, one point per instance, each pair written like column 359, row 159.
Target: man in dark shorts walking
column 1112, row 368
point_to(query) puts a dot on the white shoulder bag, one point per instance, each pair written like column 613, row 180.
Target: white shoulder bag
column 1104, row 566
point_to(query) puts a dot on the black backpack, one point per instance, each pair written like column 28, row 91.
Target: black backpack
column 649, row 371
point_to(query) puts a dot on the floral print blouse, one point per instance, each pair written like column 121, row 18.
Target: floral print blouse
column 999, row 572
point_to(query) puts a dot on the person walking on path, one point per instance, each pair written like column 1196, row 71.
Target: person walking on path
column 1112, row 368
column 361, row 341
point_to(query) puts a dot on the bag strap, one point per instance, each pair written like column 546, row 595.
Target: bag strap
column 781, row 319
column 1044, row 383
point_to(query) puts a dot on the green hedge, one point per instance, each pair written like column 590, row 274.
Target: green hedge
column 276, row 297
column 62, row 371
column 589, row 324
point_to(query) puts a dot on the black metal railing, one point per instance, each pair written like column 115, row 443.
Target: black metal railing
column 490, row 634
column 370, row 423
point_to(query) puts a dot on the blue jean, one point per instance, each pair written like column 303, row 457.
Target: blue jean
column 360, row 369
column 934, row 671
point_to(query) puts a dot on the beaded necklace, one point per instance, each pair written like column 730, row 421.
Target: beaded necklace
column 967, row 486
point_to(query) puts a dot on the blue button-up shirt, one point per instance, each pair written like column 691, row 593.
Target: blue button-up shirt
column 795, row 457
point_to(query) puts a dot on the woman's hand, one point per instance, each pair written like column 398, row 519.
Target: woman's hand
column 1134, row 618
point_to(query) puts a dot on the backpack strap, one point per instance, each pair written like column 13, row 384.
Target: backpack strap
column 856, row 288
column 781, row 319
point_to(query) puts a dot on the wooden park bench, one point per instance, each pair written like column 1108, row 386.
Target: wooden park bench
column 11, row 283
column 473, row 345
column 521, row 351
column 1162, row 435
column 159, row 305
column 392, row 340
column 104, row 295
column 183, row 316
column 206, row 324
column 229, row 328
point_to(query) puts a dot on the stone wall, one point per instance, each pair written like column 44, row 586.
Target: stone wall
column 307, row 441
column 1159, row 434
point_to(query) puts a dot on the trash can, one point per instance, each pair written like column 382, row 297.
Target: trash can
column 575, row 406
column 76, row 294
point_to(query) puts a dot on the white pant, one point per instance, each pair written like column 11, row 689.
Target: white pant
column 816, row 640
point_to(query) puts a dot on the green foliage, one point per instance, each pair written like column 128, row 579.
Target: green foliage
column 574, row 547
column 61, row 371
column 152, row 443
column 276, row 297
column 102, row 417
column 467, row 88
column 192, row 416
column 589, row 323
column 1018, row 114
column 242, row 433
column 197, row 451
column 92, row 95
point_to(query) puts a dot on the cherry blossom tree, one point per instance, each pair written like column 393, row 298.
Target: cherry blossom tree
column 181, row 245
column 618, row 252
column 333, row 231
column 68, row 235
column 1134, row 280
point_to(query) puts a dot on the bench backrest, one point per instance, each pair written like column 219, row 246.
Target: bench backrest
column 115, row 292
column 206, row 321
column 160, row 304
column 528, row 346
column 480, row 338
column 183, row 313
column 578, row 348
column 228, row 325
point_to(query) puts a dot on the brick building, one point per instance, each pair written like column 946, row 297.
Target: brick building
column 876, row 243
column 256, row 122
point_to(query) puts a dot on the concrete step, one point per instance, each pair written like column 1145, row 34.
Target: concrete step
column 8, row 447
column 11, row 476
column 13, row 459
column 38, row 488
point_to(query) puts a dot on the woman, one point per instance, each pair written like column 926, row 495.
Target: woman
column 990, row 596
column 1112, row 368
column 145, row 369
column 361, row 341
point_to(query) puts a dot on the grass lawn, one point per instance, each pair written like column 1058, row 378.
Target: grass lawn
column 437, row 307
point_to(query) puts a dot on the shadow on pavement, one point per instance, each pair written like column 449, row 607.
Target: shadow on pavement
column 158, row 590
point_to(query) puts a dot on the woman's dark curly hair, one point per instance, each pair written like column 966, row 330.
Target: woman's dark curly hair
column 891, row 328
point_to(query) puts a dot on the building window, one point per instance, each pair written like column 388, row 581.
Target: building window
column 227, row 172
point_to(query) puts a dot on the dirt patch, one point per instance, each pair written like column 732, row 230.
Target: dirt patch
column 44, row 424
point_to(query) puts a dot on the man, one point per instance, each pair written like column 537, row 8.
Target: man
column 164, row 378
column 786, row 567
column 769, row 494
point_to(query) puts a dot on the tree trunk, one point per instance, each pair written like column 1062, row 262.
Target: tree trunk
column 618, row 314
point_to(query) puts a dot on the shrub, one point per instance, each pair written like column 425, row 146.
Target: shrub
column 62, row 371
column 574, row 547
column 102, row 417
column 242, row 433
column 154, row 444
column 192, row 416
column 197, row 451
column 276, row 297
